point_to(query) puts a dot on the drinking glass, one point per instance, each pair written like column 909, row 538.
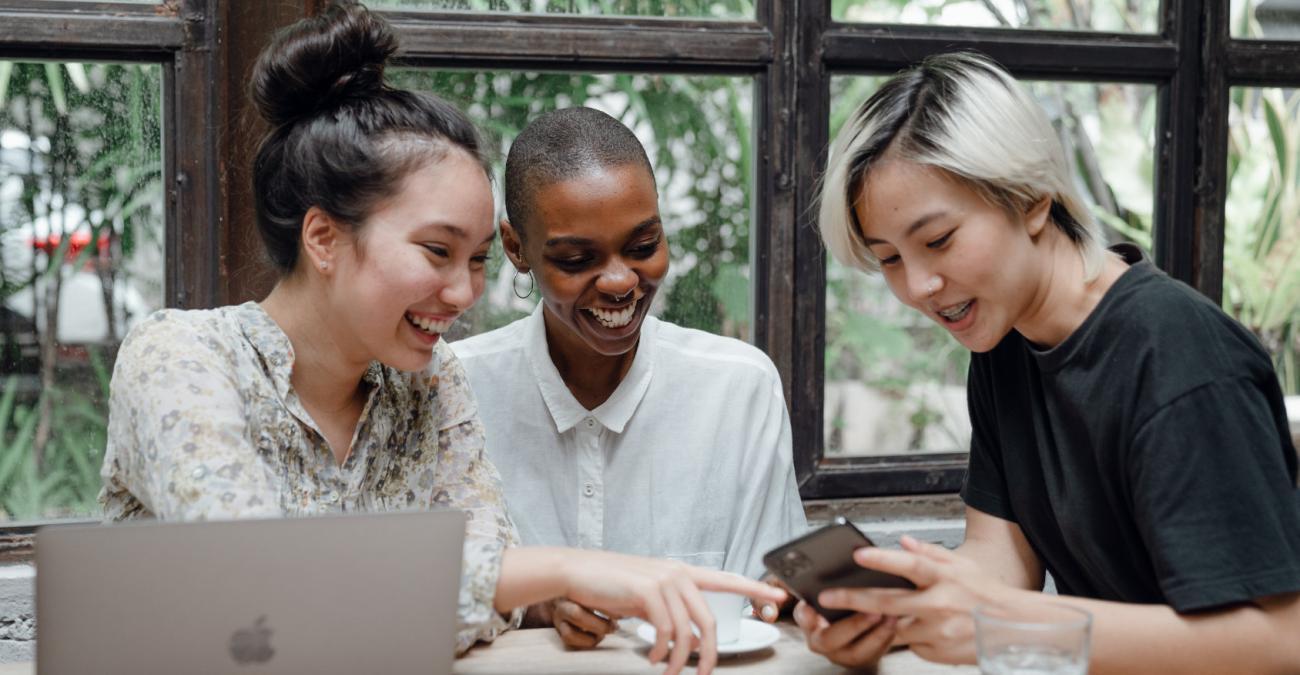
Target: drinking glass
column 1037, row 639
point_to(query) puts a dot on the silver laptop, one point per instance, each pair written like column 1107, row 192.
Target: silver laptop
column 335, row 594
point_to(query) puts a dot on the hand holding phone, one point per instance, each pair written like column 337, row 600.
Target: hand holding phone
column 823, row 559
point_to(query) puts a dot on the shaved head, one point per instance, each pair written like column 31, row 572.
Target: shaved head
column 562, row 145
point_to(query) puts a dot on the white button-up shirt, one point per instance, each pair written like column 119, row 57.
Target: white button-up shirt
column 690, row 458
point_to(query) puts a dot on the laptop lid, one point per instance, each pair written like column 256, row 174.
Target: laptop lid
column 334, row 594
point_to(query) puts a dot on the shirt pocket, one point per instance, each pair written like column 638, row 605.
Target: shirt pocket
column 707, row 559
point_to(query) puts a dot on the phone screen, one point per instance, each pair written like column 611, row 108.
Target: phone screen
column 823, row 559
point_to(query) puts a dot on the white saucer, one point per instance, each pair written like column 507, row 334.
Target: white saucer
column 754, row 635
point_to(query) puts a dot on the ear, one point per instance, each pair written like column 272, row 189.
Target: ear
column 321, row 238
column 513, row 246
column 1037, row 215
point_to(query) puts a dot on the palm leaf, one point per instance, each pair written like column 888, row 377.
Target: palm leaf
column 54, row 80
column 6, row 72
column 77, row 73
column 18, row 448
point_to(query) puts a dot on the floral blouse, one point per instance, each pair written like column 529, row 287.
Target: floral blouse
column 204, row 424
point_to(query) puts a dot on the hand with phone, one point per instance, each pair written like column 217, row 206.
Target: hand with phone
column 920, row 595
column 937, row 623
column 824, row 559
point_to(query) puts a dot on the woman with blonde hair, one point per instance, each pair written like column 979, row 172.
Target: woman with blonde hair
column 1128, row 437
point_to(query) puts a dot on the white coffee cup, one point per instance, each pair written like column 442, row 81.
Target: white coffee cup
column 726, row 609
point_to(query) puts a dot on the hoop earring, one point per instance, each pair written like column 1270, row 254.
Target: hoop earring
column 514, row 285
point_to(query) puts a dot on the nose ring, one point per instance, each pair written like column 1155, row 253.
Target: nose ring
column 618, row 298
column 932, row 286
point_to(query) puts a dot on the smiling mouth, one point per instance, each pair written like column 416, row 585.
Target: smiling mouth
column 430, row 326
column 957, row 313
column 614, row 318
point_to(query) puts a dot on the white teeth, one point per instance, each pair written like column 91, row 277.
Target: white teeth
column 956, row 313
column 430, row 326
column 614, row 319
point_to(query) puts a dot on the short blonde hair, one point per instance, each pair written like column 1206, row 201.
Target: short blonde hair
column 962, row 114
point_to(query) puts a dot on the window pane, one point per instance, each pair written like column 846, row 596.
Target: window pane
column 1261, row 248
column 895, row 380
column 1268, row 19
column 1122, row 16
column 696, row 131
column 81, row 228
column 715, row 9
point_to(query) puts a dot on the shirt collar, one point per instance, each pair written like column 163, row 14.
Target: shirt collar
column 565, row 410
column 276, row 351
column 270, row 342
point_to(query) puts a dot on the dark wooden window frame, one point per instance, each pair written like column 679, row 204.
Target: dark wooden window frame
column 791, row 49
column 178, row 37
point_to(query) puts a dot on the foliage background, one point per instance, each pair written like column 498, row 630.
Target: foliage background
column 81, row 245
column 81, row 152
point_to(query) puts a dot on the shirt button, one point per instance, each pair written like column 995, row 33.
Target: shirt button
column 591, row 423
column 588, row 489
column 334, row 496
column 199, row 472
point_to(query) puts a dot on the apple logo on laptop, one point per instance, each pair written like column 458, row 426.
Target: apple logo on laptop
column 252, row 644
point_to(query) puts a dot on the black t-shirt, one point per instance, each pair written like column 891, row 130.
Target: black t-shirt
column 1147, row 457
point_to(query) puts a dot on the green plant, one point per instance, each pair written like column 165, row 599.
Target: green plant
column 92, row 170
column 697, row 132
column 1262, row 239
column 67, row 481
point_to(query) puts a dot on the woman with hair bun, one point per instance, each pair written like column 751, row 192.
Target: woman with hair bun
column 1129, row 438
column 336, row 393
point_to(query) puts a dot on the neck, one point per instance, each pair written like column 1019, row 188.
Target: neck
column 325, row 375
column 1064, row 300
column 590, row 376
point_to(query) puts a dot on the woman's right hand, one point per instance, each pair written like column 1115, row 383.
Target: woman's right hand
column 664, row 593
column 856, row 641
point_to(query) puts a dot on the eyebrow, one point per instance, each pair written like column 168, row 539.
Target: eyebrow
column 459, row 232
column 582, row 241
column 911, row 229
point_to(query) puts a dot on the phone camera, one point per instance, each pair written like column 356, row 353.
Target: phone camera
column 794, row 563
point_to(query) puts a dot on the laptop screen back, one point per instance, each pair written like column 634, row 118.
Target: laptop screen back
column 335, row 594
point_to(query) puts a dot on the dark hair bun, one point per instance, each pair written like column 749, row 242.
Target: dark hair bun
column 319, row 63
column 320, row 83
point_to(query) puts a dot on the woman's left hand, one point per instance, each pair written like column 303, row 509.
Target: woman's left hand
column 935, row 619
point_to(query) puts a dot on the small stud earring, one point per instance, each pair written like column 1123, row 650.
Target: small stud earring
column 324, row 265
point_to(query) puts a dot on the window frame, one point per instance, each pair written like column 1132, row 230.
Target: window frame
column 1160, row 59
column 791, row 49
column 175, row 36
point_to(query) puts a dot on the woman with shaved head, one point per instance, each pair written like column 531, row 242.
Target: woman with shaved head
column 614, row 429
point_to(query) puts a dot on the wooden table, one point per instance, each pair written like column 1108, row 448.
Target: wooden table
column 539, row 651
